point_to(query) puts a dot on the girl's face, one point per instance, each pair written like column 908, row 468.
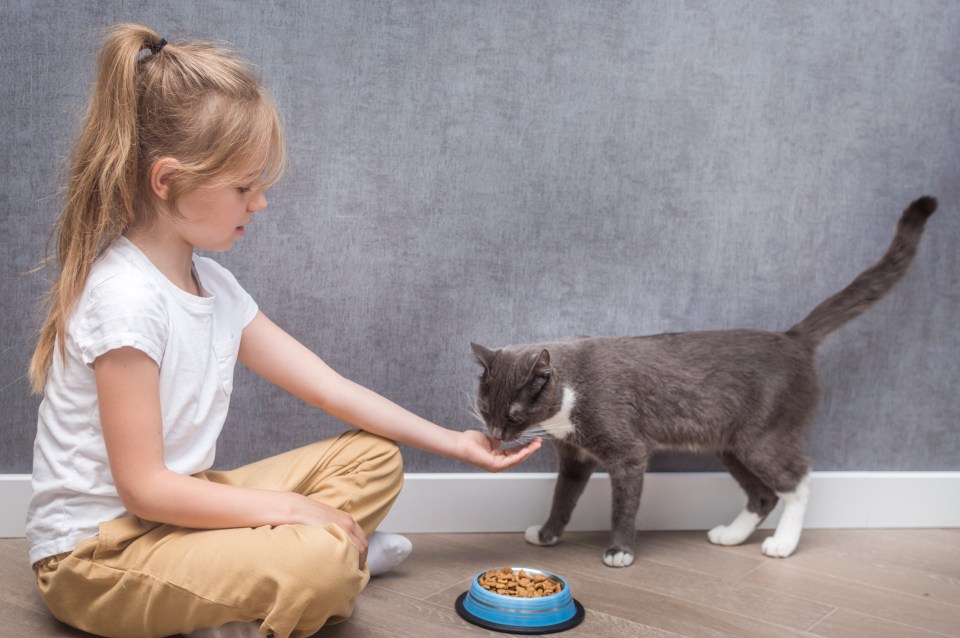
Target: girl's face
column 214, row 216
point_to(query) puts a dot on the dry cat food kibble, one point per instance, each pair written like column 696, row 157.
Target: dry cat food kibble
column 522, row 585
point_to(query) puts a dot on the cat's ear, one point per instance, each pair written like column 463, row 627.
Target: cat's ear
column 542, row 367
column 543, row 362
column 483, row 355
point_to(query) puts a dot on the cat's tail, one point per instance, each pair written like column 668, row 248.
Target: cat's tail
column 873, row 283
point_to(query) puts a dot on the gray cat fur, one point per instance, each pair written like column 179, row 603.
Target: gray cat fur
column 748, row 396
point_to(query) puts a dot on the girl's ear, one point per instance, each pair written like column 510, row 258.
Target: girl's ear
column 161, row 176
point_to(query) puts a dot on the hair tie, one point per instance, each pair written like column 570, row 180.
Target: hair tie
column 155, row 48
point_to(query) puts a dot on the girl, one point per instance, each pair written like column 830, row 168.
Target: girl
column 130, row 533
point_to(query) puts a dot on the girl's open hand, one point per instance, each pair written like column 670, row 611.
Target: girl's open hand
column 479, row 449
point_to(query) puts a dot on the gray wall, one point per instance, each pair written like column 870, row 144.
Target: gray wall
column 513, row 171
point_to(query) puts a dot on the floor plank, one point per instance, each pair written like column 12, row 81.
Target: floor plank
column 691, row 619
column 16, row 621
column 436, row 564
column 864, row 563
column 849, row 624
column 355, row 628
column 583, row 554
column 839, row 584
column 692, row 551
column 926, row 566
column 837, row 592
column 406, row 616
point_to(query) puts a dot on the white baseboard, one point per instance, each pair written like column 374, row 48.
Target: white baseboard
column 14, row 495
column 477, row 502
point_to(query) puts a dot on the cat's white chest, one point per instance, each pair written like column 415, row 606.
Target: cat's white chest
column 559, row 425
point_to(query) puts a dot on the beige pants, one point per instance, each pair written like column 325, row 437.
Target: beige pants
column 140, row 579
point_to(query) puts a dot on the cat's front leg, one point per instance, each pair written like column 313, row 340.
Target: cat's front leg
column 576, row 466
column 626, row 478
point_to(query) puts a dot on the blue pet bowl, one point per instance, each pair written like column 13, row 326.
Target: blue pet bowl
column 528, row 616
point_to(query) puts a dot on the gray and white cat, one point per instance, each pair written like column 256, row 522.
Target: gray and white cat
column 748, row 396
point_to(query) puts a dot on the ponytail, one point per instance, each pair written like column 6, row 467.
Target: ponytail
column 150, row 100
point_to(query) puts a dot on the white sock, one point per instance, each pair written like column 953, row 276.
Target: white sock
column 236, row 629
column 386, row 551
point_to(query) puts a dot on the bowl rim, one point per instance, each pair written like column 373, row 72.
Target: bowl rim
column 475, row 583
column 555, row 608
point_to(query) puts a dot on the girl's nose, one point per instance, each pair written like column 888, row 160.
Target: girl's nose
column 258, row 203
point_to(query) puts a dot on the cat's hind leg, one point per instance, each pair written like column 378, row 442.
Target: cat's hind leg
column 737, row 531
column 786, row 472
column 576, row 466
column 785, row 539
column 760, row 502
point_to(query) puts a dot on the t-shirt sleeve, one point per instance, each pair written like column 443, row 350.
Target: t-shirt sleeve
column 121, row 311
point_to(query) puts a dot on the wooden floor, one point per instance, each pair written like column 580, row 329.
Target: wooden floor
column 856, row 583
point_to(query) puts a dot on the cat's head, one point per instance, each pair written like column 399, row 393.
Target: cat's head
column 517, row 390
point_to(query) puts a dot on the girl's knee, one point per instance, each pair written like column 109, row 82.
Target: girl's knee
column 394, row 460
column 382, row 454
column 391, row 468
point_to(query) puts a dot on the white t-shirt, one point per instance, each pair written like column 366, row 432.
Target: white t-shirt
column 128, row 302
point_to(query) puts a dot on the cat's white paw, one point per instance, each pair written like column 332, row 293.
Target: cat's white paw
column 737, row 531
column 785, row 540
column 780, row 545
column 532, row 536
column 724, row 535
column 617, row 558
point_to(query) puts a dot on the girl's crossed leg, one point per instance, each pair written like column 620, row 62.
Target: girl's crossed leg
column 137, row 578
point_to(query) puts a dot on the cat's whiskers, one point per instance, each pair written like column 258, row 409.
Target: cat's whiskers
column 541, row 430
column 534, row 432
column 474, row 411
column 523, row 439
column 555, row 432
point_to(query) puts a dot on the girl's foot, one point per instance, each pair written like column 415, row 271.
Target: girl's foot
column 386, row 551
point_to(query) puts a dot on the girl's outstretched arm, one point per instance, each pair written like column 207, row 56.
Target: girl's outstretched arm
column 269, row 351
column 128, row 383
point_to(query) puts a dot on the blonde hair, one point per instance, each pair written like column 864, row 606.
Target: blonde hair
column 194, row 102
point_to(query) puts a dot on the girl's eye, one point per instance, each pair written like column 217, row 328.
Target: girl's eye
column 243, row 189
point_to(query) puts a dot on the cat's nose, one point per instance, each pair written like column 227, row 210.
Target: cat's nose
column 496, row 433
